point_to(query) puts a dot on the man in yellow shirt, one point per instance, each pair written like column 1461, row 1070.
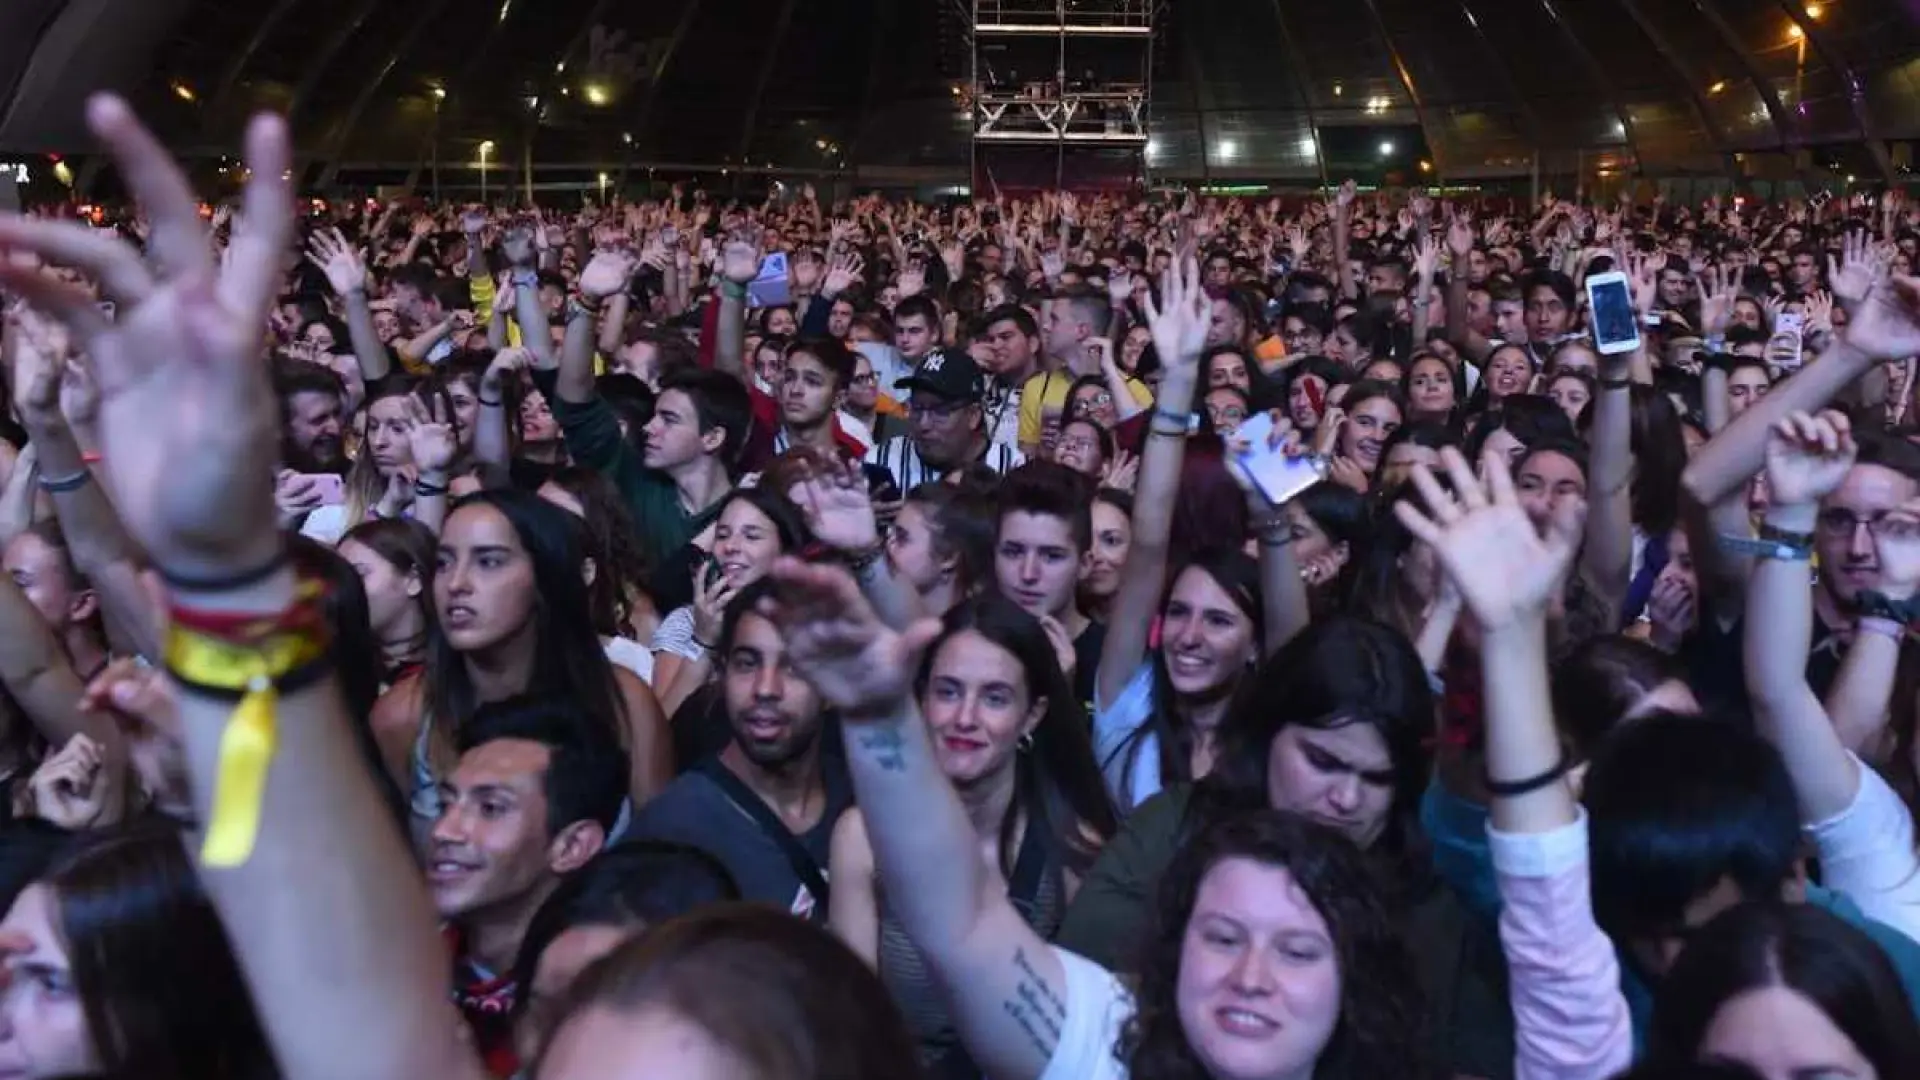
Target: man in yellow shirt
column 1077, row 344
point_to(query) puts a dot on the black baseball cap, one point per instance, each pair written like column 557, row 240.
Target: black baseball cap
column 947, row 373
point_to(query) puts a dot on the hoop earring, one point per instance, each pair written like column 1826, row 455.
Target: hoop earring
column 1025, row 744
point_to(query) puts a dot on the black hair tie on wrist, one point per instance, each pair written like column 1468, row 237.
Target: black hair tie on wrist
column 427, row 491
column 1513, row 789
column 185, row 583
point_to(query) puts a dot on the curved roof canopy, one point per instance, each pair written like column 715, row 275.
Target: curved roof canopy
column 1240, row 86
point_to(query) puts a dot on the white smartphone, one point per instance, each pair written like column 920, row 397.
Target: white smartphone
column 1276, row 475
column 1785, row 349
column 1610, row 305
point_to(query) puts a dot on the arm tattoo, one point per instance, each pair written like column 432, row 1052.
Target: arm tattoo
column 886, row 745
column 1036, row 1007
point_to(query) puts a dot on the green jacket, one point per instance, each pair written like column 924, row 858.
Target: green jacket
column 1457, row 957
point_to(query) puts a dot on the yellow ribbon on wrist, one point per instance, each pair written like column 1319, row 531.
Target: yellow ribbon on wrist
column 247, row 743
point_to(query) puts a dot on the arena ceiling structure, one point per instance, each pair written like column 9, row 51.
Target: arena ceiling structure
column 872, row 90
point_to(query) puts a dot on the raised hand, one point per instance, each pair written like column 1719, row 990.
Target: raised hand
column 345, row 268
column 855, row 662
column 1179, row 321
column 79, row 393
column 1426, row 262
column 838, row 507
column 39, row 347
column 1722, row 288
column 1123, row 472
column 1506, row 571
column 431, row 435
column 841, row 274
column 1672, row 610
column 1119, row 286
column 712, row 594
column 1460, row 239
column 913, row 278
column 740, row 261
column 1344, row 195
column 507, row 364
column 608, row 272
column 1808, row 456
column 1857, row 270
column 68, row 788
column 804, row 271
column 1886, row 325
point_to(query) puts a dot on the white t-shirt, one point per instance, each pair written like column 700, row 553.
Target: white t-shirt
column 1098, row 1008
column 630, row 654
column 1130, row 782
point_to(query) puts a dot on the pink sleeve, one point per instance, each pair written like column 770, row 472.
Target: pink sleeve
column 1570, row 1018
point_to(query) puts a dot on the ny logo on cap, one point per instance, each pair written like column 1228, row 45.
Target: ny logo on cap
column 933, row 363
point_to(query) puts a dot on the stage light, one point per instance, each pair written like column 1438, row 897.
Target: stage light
column 1386, row 148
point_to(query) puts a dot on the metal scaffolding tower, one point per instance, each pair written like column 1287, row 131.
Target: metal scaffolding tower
column 1060, row 93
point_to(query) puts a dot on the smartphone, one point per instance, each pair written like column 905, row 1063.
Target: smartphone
column 1785, row 348
column 330, row 486
column 769, row 287
column 1615, row 329
column 1277, row 475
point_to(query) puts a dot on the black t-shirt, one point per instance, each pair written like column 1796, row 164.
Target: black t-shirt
column 1716, row 668
column 1086, row 661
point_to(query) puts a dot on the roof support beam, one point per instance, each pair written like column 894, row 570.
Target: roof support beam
column 1687, row 76
column 428, row 12
column 1599, row 75
column 343, row 32
column 1535, row 134
column 1406, row 80
column 882, row 24
column 1748, row 68
column 1202, row 98
column 1822, row 43
column 779, row 38
column 1297, row 67
column 269, row 21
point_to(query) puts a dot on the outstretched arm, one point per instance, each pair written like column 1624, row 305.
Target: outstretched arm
column 1179, row 333
column 1570, row 1018
column 346, row 970
column 1006, row 985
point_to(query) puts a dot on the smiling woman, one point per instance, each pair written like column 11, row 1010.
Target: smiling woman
column 1010, row 736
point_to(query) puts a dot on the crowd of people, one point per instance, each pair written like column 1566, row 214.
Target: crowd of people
column 859, row 638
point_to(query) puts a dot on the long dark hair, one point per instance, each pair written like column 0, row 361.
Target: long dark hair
column 1805, row 949
column 1382, row 1015
column 620, row 561
column 1057, row 779
column 1344, row 670
column 156, row 977
column 568, row 658
column 1238, row 576
column 787, row 998
column 355, row 650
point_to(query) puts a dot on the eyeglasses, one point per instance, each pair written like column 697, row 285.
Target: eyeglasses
column 934, row 414
column 865, row 380
column 1084, row 446
column 1841, row 523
